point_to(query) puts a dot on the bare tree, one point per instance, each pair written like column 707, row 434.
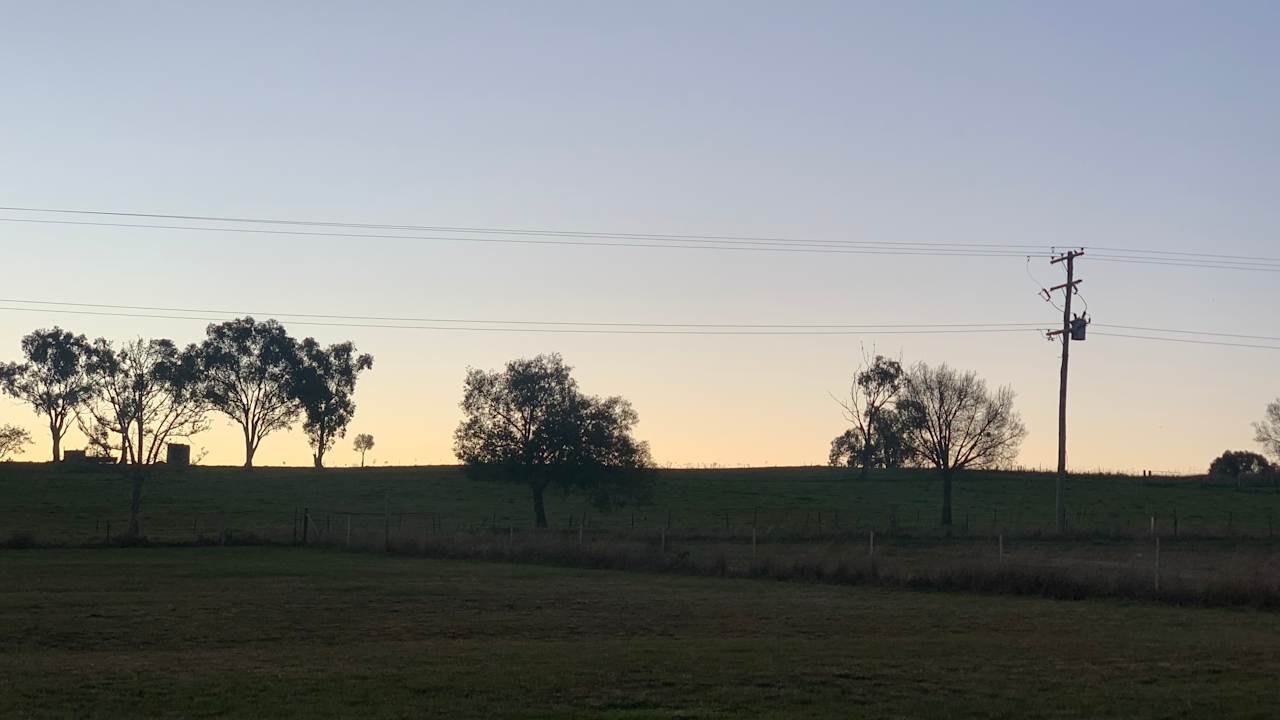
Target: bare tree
column 54, row 379
column 147, row 393
column 874, row 390
column 1268, row 431
column 953, row 422
column 363, row 444
column 13, row 441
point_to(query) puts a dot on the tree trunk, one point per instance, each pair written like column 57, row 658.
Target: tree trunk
column 539, row 511
column 135, row 505
column 866, row 460
column 362, row 458
column 946, row 498
column 249, row 450
column 57, row 443
column 318, row 457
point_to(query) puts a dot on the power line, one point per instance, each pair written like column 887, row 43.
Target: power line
column 618, row 328
column 537, row 232
column 672, row 245
column 519, row 322
column 1189, row 332
column 1109, row 252
column 1188, row 340
column 940, row 330
column 1175, row 263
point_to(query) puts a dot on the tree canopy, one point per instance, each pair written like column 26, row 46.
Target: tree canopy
column 362, row 445
column 872, row 395
column 247, row 371
column 54, row 379
column 1238, row 464
column 13, row 441
column 147, row 392
column 529, row 423
column 325, row 384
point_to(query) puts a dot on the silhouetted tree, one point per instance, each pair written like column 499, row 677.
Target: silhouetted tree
column 324, row 383
column 1269, row 430
column 530, row 424
column 13, row 441
column 247, row 371
column 363, row 444
column 147, row 393
column 874, row 390
column 953, row 422
column 890, row 449
column 1235, row 465
column 53, row 379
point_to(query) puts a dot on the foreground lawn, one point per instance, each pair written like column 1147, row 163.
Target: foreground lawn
column 209, row 632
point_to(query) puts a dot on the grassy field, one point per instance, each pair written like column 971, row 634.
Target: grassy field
column 59, row 505
column 211, row 632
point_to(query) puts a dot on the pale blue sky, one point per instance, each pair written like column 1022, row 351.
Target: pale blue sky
column 1150, row 125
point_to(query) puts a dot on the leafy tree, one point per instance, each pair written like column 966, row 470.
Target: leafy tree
column 889, row 451
column 54, row 380
column 13, row 440
column 247, row 371
column 875, row 389
column 529, row 423
column 1236, row 465
column 147, row 393
column 1269, row 430
column 325, row 383
column 953, row 422
column 363, row 444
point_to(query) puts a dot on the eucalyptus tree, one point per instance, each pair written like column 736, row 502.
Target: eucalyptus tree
column 247, row 372
column 53, row 379
column 325, row 385
column 529, row 423
column 362, row 445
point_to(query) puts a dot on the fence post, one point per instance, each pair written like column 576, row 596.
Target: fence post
column 348, row 529
column 1001, row 540
column 306, row 524
column 1152, row 532
column 1157, row 563
column 295, row 527
column 108, row 531
column 753, row 544
column 871, row 545
column 511, row 536
column 580, row 526
column 1175, row 523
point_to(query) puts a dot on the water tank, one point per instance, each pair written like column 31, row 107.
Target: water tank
column 178, row 455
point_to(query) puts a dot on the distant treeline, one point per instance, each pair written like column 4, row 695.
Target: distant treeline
column 131, row 399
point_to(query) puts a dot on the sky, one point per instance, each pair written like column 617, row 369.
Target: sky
column 1136, row 125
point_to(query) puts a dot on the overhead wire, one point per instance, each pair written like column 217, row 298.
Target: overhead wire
column 875, row 330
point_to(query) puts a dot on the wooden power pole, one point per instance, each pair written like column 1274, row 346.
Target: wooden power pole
column 1069, row 288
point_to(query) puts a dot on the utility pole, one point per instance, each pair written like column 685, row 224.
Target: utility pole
column 1068, row 326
